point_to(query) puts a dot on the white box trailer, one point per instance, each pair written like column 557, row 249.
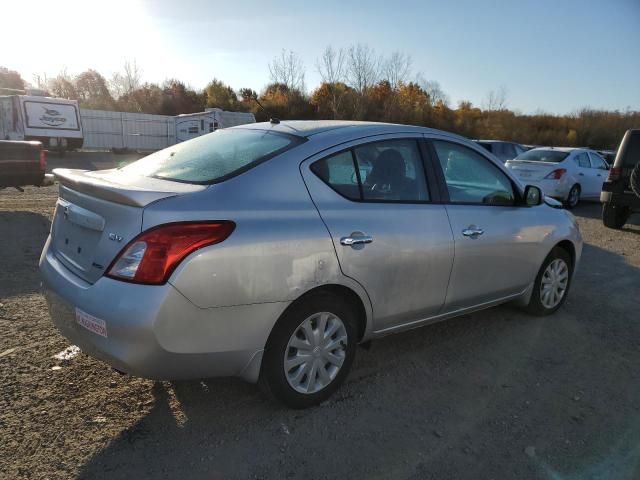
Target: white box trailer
column 56, row 122
column 123, row 130
column 191, row 125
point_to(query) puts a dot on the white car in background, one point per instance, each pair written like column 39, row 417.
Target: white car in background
column 567, row 174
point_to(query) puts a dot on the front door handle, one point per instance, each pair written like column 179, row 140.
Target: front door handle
column 356, row 240
column 581, row 174
column 472, row 231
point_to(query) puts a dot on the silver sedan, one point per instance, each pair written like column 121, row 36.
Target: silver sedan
column 270, row 251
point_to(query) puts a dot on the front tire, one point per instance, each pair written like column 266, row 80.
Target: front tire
column 573, row 198
column 552, row 283
column 310, row 350
column 614, row 216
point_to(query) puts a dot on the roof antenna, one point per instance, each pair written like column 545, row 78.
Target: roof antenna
column 273, row 120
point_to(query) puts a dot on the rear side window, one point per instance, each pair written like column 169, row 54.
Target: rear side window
column 387, row 171
column 632, row 152
column 582, row 159
column 472, row 178
column 213, row 157
column 339, row 172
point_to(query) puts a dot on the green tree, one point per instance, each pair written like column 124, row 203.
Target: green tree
column 220, row 95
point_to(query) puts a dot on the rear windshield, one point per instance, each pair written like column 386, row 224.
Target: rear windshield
column 632, row 152
column 213, row 157
column 543, row 156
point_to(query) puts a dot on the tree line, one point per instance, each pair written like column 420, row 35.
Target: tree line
column 356, row 84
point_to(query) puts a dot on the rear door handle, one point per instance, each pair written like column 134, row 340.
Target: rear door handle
column 581, row 174
column 356, row 240
column 472, row 231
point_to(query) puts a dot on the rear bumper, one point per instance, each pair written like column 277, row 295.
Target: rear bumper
column 154, row 331
column 621, row 199
column 558, row 189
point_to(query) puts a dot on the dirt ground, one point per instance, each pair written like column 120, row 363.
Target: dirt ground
column 493, row 395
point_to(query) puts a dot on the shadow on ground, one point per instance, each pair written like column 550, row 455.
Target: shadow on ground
column 594, row 210
column 498, row 394
column 21, row 242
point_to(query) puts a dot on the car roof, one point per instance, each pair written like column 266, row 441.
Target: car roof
column 341, row 128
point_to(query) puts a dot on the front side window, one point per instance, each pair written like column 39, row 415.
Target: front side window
column 472, row 178
column 386, row 171
column 214, row 156
column 597, row 161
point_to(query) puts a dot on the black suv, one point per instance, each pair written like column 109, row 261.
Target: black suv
column 619, row 200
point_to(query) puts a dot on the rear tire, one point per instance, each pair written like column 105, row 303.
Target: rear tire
column 614, row 216
column 554, row 278
column 306, row 385
column 573, row 198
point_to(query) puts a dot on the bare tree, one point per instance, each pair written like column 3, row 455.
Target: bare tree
column 362, row 67
column 496, row 99
column 397, row 68
column 433, row 90
column 331, row 65
column 288, row 69
column 126, row 82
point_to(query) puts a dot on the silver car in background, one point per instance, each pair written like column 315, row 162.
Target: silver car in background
column 269, row 251
column 566, row 174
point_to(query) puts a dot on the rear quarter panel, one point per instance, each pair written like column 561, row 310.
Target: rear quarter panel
column 280, row 247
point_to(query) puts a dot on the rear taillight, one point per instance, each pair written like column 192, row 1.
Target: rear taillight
column 614, row 174
column 152, row 256
column 557, row 174
column 43, row 161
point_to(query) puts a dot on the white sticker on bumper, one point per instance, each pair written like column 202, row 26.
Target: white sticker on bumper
column 91, row 323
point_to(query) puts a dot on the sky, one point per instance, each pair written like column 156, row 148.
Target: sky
column 550, row 55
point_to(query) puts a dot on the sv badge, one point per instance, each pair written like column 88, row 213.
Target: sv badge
column 114, row 237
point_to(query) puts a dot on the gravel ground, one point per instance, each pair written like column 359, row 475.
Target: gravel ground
column 493, row 395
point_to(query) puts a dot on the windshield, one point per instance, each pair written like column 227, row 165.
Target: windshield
column 554, row 156
column 213, row 157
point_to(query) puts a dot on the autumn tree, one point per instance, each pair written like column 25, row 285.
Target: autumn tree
column 92, row 91
column 11, row 79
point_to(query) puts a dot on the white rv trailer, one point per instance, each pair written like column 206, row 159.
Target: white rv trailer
column 55, row 122
column 191, row 125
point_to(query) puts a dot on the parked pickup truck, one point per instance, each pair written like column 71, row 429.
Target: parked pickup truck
column 22, row 164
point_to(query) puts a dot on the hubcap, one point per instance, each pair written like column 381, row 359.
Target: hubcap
column 573, row 196
column 315, row 352
column 554, row 283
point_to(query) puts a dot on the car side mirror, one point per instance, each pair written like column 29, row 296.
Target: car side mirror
column 532, row 196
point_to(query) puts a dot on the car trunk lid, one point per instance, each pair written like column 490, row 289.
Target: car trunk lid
column 528, row 171
column 99, row 212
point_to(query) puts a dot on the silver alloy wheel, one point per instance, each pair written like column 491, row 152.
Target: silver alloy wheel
column 574, row 196
column 315, row 352
column 554, row 283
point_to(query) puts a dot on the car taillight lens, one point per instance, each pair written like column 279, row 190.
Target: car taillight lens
column 557, row 174
column 152, row 256
column 43, row 161
column 614, row 174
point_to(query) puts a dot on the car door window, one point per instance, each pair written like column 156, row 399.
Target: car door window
column 391, row 170
column 597, row 161
column 582, row 159
column 472, row 178
column 338, row 171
